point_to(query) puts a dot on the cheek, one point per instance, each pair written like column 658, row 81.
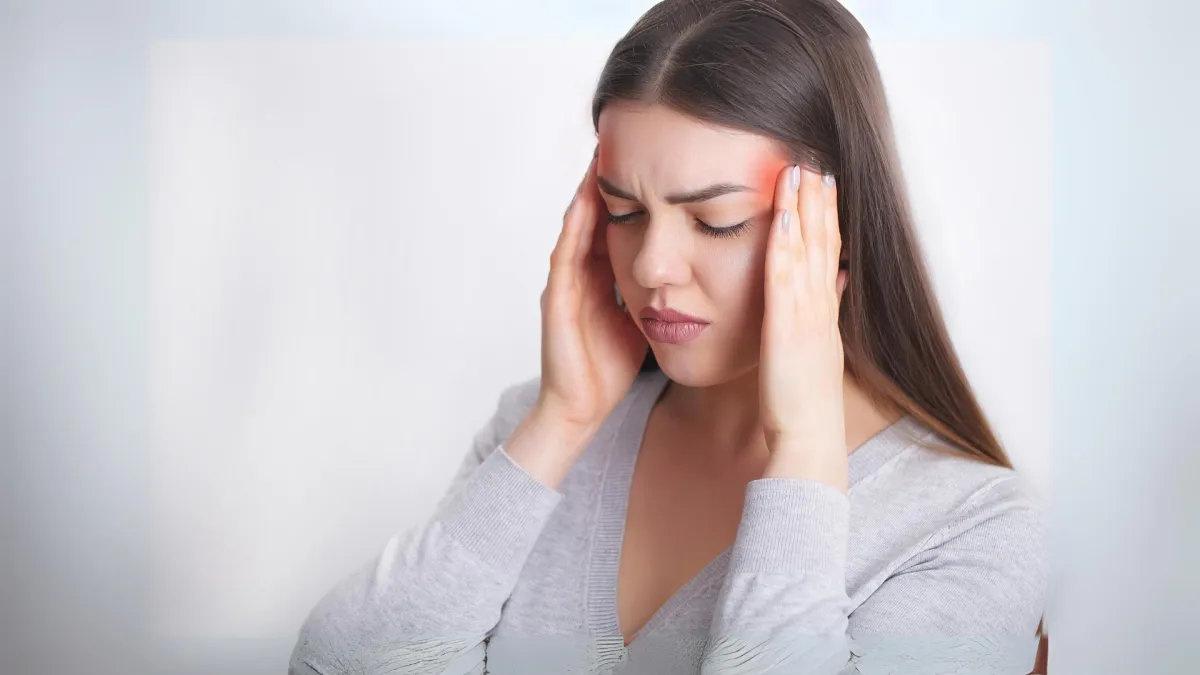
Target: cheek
column 733, row 272
column 622, row 249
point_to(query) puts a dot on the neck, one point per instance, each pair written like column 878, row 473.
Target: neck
column 724, row 419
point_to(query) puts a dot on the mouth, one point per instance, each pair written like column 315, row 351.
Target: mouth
column 670, row 326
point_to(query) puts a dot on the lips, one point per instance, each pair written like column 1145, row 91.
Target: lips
column 671, row 326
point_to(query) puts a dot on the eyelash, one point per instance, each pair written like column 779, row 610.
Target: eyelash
column 705, row 228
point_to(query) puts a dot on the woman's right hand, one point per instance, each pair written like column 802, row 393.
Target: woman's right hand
column 591, row 348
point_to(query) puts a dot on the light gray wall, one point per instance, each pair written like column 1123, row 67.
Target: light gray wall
column 83, row 563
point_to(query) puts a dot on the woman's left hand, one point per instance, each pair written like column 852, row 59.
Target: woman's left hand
column 802, row 364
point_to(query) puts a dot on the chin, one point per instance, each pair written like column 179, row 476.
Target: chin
column 695, row 369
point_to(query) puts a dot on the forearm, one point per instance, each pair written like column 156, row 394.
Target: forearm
column 968, row 602
column 433, row 595
column 784, row 606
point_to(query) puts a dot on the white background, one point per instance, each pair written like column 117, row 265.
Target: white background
column 348, row 242
column 83, row 567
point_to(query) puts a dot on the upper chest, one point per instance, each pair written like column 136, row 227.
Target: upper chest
column 637, row 527
column 682, row 512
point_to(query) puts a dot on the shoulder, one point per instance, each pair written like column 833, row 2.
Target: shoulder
column 974, row 485
column 952, row 546
column 942, row 497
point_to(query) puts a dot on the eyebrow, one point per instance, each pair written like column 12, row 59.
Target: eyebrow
column 701, row 195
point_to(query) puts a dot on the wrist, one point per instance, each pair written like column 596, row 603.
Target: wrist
column 824, row 462
column 546, row 445
column 571, row 434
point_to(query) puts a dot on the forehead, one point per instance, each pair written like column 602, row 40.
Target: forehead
column 664, row 150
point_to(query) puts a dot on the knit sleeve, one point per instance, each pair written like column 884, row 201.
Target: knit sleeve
column 428, row 602
column 968, row 602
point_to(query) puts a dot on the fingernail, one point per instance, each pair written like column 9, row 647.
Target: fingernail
column 786, row 221
column 794, row 177
column 827, row 179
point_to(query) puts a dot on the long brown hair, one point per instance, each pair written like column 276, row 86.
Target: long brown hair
column 802, row 72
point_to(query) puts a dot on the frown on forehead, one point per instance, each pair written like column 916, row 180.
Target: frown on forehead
column 653, row 150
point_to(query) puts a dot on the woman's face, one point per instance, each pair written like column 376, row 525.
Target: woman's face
column 691, row 207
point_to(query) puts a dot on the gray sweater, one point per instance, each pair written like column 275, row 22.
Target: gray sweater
column 932, row 563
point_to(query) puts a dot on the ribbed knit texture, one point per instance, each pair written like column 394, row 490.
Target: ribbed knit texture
column 931, row 563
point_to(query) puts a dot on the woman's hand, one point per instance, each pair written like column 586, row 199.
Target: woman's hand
column 591, row 349
column 802, row 362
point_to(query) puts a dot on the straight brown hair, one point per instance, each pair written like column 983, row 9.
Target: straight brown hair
column 802, row 72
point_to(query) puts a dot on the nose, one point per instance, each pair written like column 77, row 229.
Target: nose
column 663, row 257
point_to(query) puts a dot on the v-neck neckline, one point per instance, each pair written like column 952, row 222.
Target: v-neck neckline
column 613, row 510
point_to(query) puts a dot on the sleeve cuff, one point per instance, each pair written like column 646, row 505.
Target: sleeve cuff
column 794, row 527
column 500, row 512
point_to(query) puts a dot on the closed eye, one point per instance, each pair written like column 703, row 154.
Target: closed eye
column 718, row 232
column 722, row 232
column 619, row 219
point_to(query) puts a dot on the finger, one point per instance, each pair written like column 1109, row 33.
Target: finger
column 782, row 236
column 779, row 296
column 578, row 190
column 562, row 243
column 812, row 219
column 833, row 234
column 791, row 240
column 568, row 245
column 599, row 238
column 778, row 293
column 600, row 232
column 587, row 208
column 787, row 186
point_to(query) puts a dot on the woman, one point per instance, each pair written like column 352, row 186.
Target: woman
column 795, row 478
